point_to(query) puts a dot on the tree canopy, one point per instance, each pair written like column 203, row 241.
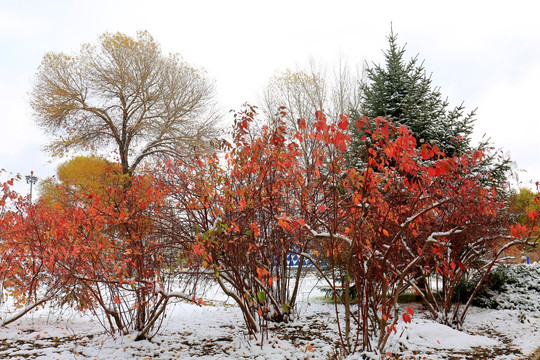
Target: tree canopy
column 80, row 175
column 124, row 92
column 403, row 92
column 297, row 95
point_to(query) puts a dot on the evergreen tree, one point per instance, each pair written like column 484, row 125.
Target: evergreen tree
column 402, row 92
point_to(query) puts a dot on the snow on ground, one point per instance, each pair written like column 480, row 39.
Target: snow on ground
column 517, row 329
column 487, row 334
column 216, row 331
column 425, row 334
column 522, row 291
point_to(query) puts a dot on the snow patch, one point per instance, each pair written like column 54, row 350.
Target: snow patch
column 424, row 334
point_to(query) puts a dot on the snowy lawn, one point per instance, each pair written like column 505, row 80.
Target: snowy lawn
column 216, row 331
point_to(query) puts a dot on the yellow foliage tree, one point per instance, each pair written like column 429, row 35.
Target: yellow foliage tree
column 80, row 175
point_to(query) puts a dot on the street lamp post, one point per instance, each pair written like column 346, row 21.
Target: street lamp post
column 31, row 179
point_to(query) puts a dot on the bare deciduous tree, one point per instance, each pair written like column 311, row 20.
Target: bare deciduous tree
column 124, row 92
column 304, row 92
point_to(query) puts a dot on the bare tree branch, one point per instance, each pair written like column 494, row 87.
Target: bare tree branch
column 123, row 92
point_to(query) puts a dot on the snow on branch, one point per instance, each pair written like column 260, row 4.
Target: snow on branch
column 175, row 294
column 327, row 235
column 433, row 237
column 417, row 215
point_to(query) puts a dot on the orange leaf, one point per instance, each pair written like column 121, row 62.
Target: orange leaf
column 262, row 272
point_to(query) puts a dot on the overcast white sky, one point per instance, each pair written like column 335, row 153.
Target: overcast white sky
column 485, row 53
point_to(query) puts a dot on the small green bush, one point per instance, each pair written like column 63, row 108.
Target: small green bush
column 485, row 297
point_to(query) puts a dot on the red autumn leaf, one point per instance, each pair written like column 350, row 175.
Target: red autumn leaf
column 409, row 310
column 344, row 123
column 319, row 116
column 302, row 123
column 320, row 125
column 515, row 230
column 406, row 317
column 444, row 168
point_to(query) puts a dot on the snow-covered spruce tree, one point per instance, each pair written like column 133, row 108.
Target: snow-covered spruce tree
column 402, row 91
